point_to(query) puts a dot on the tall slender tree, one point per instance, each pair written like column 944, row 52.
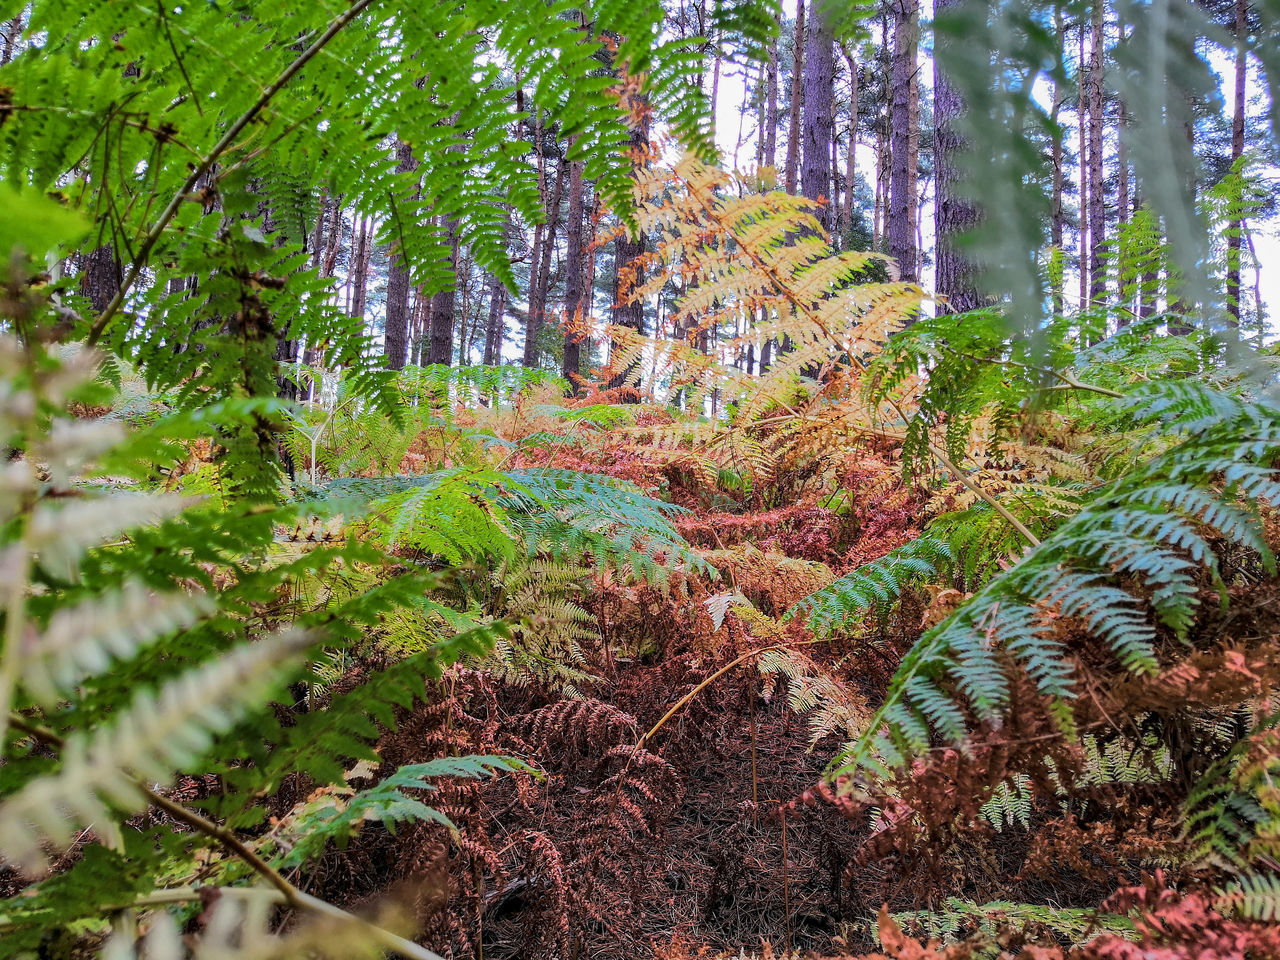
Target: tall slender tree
column 955, row 277
column 493, row 328
column 793, row 124
column 771, row 107
column 443, row 307
column 900, row 227
column 1235, row 229
column 396, row 332
column 544, row 244
column 628, row 250
column 819, row 120
column 1057, row 218
column 575, row 293
column 1097, row 189
column 851, row 151
column 1082, row 145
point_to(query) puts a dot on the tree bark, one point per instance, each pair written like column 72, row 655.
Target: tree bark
column 1097, row 191
column 819, row 126
column 396, row 333
column 575, row 278
column 443, row 307
column 1122, row 203
column 850, row 157
column 101, row 277
column 902, row 200
column 538, row 291
column 797, row 74
column 629, row 253
column 771, row 108
column 1056, row 217
column 494, row 327
column 1235, row 229
column 12, row 30
column 360, row 270
column 956, row 278
column 1083, row 144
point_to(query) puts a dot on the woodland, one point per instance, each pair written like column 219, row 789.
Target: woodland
column 639, row 478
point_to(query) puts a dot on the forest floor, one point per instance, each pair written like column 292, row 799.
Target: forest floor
column 715, row 835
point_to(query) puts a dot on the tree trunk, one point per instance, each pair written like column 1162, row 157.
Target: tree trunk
column 819, row 90
column 771, row 108
column 797, row 74
column 329, row 259
column 628, row 257
column 101, row 277
column 575, row 279
column 421, row 327
column 396, row 333
column 955, row 275
column 443, row 307
column 1097, row 192
column 538, row 292
column 1235, row 230
column 1123, row 316
column 850, row 157
column 902, row 201
column 360, row 269
column 1082, row 114
column 1057, row 219
column 495, row 327
column 12, row 30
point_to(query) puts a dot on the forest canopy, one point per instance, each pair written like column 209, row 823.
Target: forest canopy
column 503, row 478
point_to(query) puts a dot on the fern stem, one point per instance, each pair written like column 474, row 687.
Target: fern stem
column 289, row 894
column 737, row 661
column 139, row 261
column 991, row 501
column 228, row 839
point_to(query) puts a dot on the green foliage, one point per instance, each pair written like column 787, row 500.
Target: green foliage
column 1254, row 897
column 960, row 918
column 571, row 514
column 152, row 637
column 873, row 586
column 1129, row 561
column 160, row 732
column 446, row 514
column 337, row 815
column 1231, row 814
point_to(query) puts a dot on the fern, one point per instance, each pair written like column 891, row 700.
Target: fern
column 160, row 732
column 1254, row 897
column 1231, row 814
column 873, row 586
column 336, row 817
column 1148, row 526
column 1072, row 924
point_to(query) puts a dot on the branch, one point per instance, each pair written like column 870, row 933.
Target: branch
column 201, row 169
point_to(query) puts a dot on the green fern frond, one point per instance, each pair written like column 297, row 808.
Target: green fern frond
column 1254, row 896
column 873, row 586
column 337, row 815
